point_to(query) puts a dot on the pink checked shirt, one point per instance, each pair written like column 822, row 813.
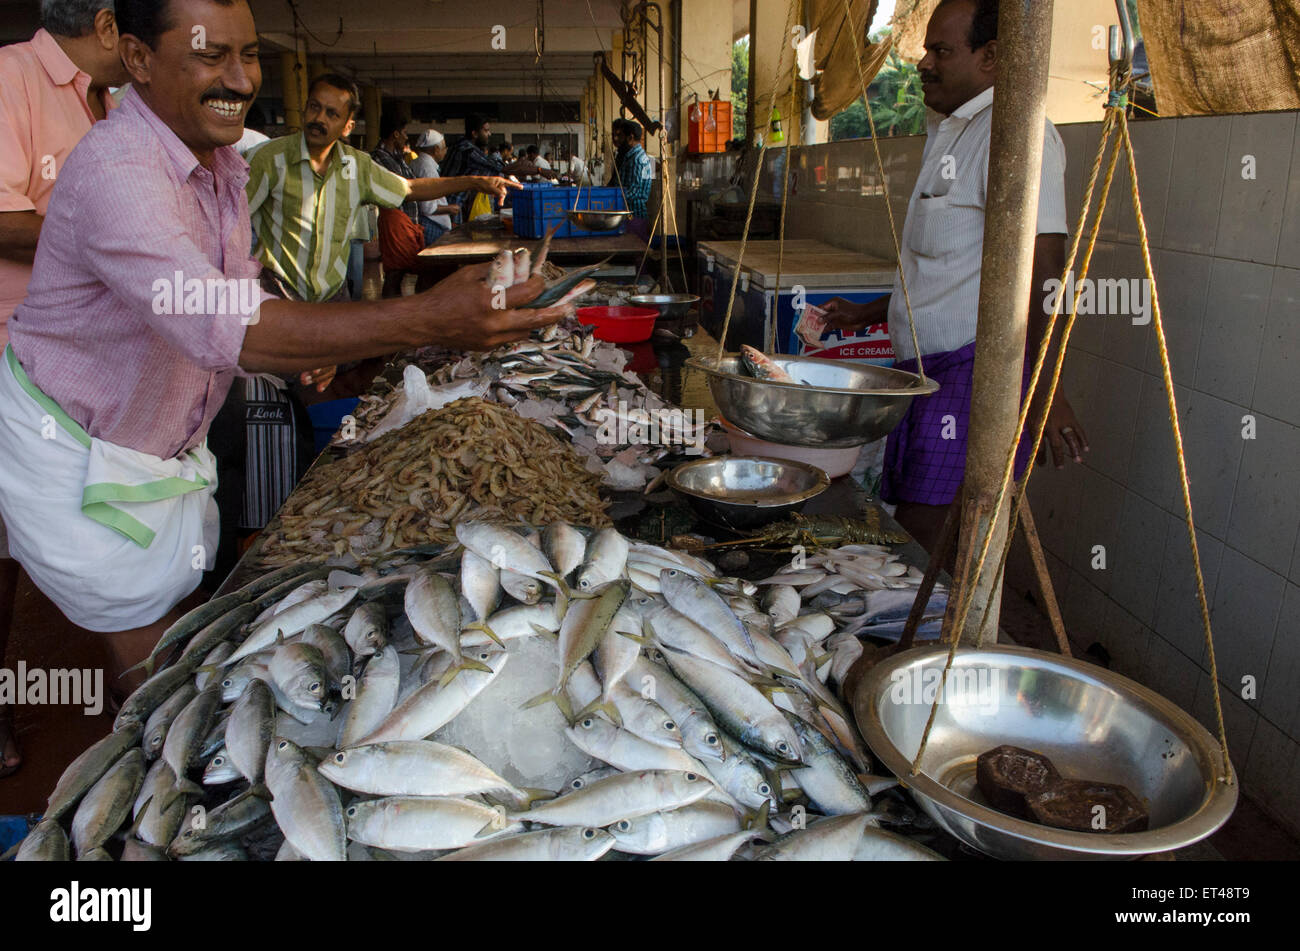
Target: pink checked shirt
column 43, row 115
column 132, row 208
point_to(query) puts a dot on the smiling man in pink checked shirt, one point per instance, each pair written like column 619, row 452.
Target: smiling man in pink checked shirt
column 144, row 305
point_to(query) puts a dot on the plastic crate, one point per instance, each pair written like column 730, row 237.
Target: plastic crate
column 715, row 141
column 539, row 207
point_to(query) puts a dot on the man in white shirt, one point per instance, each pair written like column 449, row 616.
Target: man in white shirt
column 435, row 216
column 541, row 160
column 942, row 247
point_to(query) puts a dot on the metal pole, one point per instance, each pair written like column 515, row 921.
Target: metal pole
column 1010, row 228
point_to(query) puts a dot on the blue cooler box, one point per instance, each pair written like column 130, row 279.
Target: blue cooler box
column 538, row 208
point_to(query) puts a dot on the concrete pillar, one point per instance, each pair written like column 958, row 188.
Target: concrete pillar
column 373, row 106
column 706, row 54
column 293, row 67
column 770, row 66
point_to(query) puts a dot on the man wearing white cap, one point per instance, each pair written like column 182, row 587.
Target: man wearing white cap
column 435, row 216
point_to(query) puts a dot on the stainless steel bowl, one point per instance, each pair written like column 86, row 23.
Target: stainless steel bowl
column 834, row 404
column 1091, row 723
column 741, row 492
column 598, row 220
column 671, row 306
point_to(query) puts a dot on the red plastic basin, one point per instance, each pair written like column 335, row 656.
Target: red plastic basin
column 620, row 324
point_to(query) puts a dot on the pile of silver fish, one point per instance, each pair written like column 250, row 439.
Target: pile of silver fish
column 700, row 697
column 866, row 590
column 569, row 382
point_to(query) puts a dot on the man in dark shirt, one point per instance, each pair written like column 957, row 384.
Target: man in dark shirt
column 469, row 157
column 391, row 154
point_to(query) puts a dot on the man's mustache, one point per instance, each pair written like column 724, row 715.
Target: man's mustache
column 228, row 95
column 317, row 127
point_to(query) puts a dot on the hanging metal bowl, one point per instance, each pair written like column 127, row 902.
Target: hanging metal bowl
column 1093, row 724
column 597, row 220
column 834, row 404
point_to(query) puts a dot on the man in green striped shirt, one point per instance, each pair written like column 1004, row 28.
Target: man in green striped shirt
column 306, row 189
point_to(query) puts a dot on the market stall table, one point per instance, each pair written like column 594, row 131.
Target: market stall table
column 468, row 245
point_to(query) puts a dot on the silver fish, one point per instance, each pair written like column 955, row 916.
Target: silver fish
column 236, row 678
column 738, row 707
column 832, row 839
column 740, row 777
column 881, row 845
column 663, row 831
column 434, row 705
column 87, row 769
column 705, row 607
column 155, row 729
column 212, row 661
column 292, row 621
column 625, row 796
column 506, row 550
column 700, row 735
column 108, row 803
column 155, row 825
column 298, row 669
column 583, row 627
column 46, row 843
column 411, row 824
column 249, row 732
column 376, row 693
column 480, row 582
column 638, row 715
column 600, row 738
column 413, row 768
column 220, row 770
column 828, row 780
column 564, row 546
column 187, row 734
column 333, row 647
column 559, row 844
column 367, row 629
column 605, row 560
column 719, row 849
column 520, row 620
column 227, row 822
column 306, row 805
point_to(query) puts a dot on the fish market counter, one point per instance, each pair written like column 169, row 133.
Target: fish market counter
column 481, row 628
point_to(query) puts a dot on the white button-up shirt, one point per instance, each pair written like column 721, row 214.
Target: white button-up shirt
column 943, row 239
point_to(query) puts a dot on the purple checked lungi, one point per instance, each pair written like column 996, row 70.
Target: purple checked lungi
column 921, row 466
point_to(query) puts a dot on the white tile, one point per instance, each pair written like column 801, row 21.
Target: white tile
column 1089, row 330
column 1212, row 444
column 1239, row 719
column 1288, row 248
column 1233, row 331
column 1183, row 283
column 1250, row 220
column 1127, row 640
column 1266, row 506
column 1083, row 609
column 1279, row 693
column 1138, row 557
column 1247, row 602
column 1170, row 673
column 1178, row 612
column 1129, row 334
column 1153, row 472
column 1277, row 384
column 1110, row 420
column 1153, row 150
column 1272, row 755
column 1099, row 514
column 1196, row 183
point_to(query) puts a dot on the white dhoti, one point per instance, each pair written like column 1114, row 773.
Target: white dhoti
column 114, row 537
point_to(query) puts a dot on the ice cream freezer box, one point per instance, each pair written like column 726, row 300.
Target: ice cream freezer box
column 812, row 273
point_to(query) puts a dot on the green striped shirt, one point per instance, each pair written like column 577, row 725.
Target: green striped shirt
column 304, row 221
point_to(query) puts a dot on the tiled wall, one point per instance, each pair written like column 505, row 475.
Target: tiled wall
column 1226, row 255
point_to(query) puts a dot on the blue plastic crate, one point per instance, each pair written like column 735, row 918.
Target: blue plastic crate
column 538, row 208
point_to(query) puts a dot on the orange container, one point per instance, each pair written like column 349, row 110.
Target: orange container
column 716, row 141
